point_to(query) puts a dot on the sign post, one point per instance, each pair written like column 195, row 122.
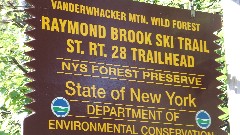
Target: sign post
column 231, row 41
column 122, row 67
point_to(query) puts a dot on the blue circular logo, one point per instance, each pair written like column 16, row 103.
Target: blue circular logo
column 60, row 107
column 203, row 119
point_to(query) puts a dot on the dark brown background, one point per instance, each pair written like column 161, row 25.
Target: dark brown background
column 48, row 85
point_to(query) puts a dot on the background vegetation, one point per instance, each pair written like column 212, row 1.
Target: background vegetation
column 12, row 59
column 12, row 70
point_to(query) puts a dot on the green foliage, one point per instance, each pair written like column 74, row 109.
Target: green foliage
column 223, row 87
column 12, row 79
column 211, row 6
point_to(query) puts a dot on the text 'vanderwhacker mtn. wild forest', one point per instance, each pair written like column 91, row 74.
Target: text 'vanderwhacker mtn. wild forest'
column 121, row 67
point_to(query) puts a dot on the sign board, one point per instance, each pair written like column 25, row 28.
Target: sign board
column 122, row 67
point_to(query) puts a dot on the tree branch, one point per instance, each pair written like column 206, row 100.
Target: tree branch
column 5, row 112
column 20, row 66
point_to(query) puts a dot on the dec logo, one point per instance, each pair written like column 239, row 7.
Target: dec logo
column 203, row 119
column 60, row 107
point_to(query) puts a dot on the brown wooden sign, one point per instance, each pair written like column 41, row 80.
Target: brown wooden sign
column 122, row 67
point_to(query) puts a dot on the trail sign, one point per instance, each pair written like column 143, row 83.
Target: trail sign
column 122, row 67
